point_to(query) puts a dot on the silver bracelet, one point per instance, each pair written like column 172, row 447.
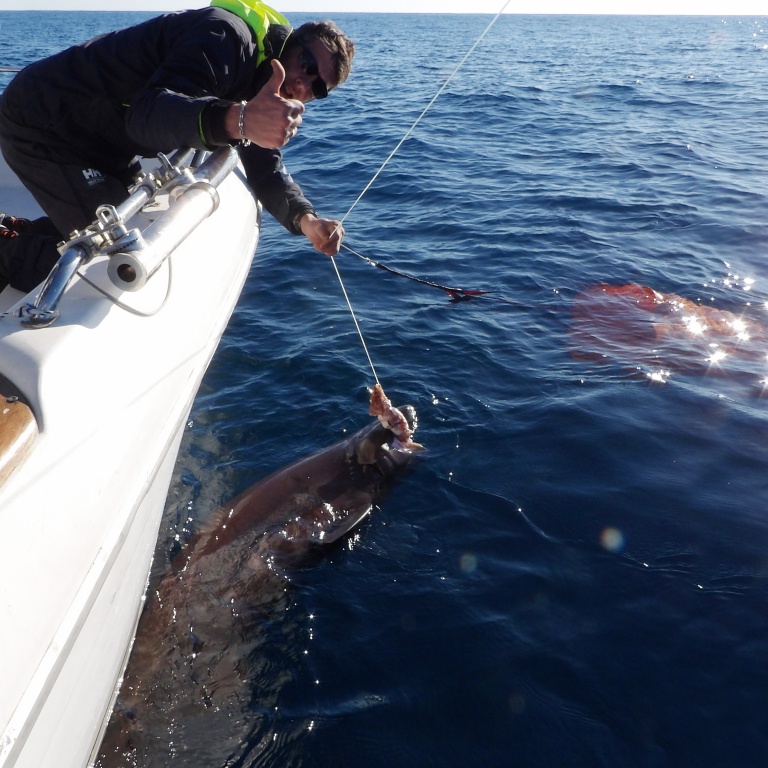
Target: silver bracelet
column 241, row 124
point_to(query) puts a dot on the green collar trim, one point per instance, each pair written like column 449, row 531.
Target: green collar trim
column 258, row 16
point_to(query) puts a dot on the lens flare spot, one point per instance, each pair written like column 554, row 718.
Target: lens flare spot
column 468, row 562
column 612, row 539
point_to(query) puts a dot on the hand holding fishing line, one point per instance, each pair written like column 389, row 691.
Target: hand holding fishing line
column 324, row 234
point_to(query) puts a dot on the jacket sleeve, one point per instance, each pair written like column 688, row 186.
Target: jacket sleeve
column 280, row 195
column 208, row 65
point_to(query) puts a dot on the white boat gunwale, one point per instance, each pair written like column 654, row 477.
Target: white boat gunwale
column 109, row 576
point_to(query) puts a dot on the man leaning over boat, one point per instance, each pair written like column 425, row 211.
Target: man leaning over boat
column 73, row 124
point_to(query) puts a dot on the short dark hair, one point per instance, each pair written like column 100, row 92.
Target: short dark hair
column 340, row 46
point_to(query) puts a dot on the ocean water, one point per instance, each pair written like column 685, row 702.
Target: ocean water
column 575, row 573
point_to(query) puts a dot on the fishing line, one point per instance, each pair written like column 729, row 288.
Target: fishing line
column 391, row 155
column 426, row 109
column 354, row 319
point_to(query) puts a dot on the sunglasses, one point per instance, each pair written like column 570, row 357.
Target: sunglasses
column 308, row 63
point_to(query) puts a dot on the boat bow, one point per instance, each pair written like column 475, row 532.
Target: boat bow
column 108, row 375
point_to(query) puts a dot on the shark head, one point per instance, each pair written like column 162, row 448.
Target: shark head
column 378, row 446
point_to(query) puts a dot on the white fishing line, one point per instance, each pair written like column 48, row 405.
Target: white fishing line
column 426, row 109
column 391, row 155
column 354, row 319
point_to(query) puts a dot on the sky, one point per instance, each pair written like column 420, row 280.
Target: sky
column 328, row 7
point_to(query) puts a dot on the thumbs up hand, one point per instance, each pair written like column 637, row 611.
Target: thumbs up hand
column 269, row 120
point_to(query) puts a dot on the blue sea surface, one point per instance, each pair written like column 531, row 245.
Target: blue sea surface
column 575, row 573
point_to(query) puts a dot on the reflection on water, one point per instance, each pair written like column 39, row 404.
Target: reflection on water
column 662, row 333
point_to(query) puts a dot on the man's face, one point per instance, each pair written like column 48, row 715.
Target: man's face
column 308, row 71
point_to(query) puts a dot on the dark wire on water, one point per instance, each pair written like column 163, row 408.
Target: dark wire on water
column 457, row 294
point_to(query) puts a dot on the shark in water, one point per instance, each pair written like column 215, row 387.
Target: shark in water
column 196, row 659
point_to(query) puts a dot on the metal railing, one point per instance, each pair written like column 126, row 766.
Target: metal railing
column 134, row 256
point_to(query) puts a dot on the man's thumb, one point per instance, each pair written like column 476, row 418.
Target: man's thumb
column 278, row 77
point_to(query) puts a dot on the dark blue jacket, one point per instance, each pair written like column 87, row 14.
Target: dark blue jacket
column 153, row 87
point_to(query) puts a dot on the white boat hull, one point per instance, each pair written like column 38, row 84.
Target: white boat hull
column 111, row 392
